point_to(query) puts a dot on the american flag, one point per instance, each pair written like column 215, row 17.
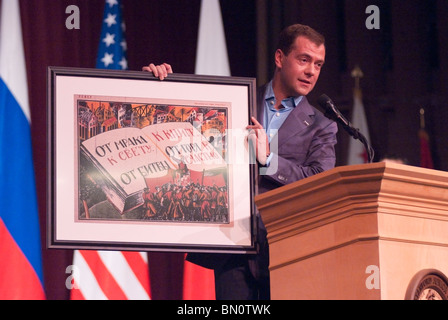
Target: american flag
column 111, row 275
column 112, row 48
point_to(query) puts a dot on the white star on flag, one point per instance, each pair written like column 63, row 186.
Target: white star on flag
column 111, row 3
column 109, row 39
column 111, row 19
column 124, row 45
column 123, row 63
column 112, row 50
column 108, row 59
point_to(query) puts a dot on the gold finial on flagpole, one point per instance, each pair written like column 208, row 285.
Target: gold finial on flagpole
column 357, row 74
column 422, row 118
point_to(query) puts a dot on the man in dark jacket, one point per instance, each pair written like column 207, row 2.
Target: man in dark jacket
column 293, row 141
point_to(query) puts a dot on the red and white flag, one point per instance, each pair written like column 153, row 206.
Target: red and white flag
column 356, row 152
column 425, row 146
column 211, row 54
column 211, row 59
column 111, row 275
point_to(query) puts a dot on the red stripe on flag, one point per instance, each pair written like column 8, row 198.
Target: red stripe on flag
column 425, row 150
column 139, row 267
column 76, row 293
column 104, row 278
column 18, row 280
column 199, row 282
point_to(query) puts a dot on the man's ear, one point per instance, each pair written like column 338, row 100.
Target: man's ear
column 279, row 55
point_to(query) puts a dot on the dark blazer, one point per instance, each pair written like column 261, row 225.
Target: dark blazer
column 305, row 147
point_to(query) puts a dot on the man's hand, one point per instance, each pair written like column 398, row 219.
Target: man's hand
column 258, row 138
column 160, row 71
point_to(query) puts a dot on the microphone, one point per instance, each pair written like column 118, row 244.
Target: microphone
column 332, row 113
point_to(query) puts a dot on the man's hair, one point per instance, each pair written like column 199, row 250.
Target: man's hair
column 289, row 35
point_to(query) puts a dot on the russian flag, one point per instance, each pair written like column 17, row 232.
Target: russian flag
column 20, row 250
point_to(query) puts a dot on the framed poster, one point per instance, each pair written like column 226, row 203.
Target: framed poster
column 135, row 163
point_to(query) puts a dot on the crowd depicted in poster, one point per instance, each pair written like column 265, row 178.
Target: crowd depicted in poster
column 152, row 161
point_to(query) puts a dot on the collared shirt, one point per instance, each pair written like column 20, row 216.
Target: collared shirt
column 273, row 118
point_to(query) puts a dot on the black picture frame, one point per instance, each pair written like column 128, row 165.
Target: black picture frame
column 112, row 135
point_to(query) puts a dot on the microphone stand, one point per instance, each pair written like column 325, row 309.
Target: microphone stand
column 332, row 113
column 359, row 136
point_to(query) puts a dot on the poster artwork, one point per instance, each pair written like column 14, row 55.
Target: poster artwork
column 152, row 161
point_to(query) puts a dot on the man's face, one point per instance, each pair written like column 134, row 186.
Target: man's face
column 300, row 69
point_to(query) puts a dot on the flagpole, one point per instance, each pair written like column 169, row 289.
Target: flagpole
column 357, row 74
column 422, row 118
column 425, row 150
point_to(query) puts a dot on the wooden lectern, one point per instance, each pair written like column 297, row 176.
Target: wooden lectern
column 373, row 231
